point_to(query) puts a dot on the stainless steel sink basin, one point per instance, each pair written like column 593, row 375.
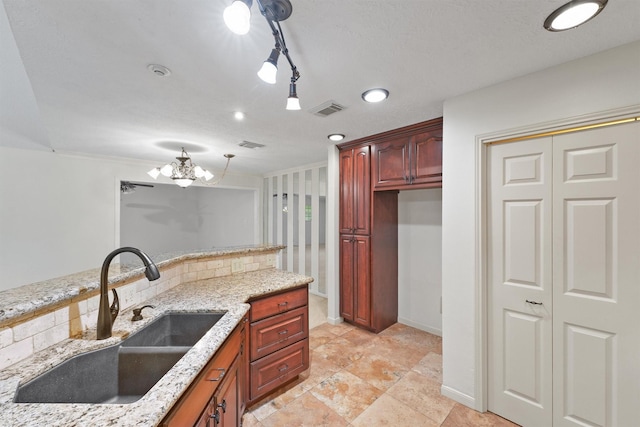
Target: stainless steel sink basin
column 121, row 373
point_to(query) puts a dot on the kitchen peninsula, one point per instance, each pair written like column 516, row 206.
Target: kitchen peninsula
column 222, row 281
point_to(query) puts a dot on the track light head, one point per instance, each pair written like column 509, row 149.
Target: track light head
column 269, row 68
column 237, row 16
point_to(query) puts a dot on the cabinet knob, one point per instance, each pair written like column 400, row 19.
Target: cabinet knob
column 215, row 416
column 223, row 405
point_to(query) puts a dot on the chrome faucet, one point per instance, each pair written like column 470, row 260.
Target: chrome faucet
column 107, row 315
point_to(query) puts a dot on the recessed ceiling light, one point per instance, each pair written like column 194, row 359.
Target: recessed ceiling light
column 159, row 70
column 375, row 95
column 336, row 137
column 239, row 115
column 573, row 14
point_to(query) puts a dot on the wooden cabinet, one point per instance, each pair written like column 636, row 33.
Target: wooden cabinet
column 355, row 295
column 216, row 397
column 368, row 244
column 372, row 171
column 409, row 160
column 279, row 344
column 355, row 190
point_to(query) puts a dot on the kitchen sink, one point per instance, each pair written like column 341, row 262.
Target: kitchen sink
column 121, row 373
column 174, row 329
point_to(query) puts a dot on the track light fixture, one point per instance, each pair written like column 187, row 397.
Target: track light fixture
column 269, row 68
column 237, row 17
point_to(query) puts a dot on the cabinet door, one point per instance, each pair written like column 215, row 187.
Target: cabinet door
column 347, row 284
column 355, row 194
column 226, row 400
column 355, row 286
column 362, row 283
column 391, row 163
column 426, row 157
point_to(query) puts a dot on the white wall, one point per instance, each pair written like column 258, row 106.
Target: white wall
column 59, row 213
column 420, row 259
column 606, row 81
column 168, row 218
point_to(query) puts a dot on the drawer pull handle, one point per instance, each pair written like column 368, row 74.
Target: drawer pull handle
column 222, row 372
column 283, row 304
column 283, row 368
column 285, row 332
column 223, row 405
column 533, row 302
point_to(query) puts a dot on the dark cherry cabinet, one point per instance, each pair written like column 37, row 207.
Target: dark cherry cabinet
column 368, row 244
column 355, row 190
column 409, row 160
column 372, row 171
column 355, row 286
column 279, row 343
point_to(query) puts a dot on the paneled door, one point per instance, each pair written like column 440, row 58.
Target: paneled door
column 596, row 277
column 520, row 294
column 564, row 271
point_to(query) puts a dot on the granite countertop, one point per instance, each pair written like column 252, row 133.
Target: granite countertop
column 225, row 294
column 25, row 300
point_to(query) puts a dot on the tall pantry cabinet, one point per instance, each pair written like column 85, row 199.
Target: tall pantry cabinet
column 368, row 244
column 372, row 172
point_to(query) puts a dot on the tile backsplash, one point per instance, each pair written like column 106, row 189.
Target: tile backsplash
column 75, row 317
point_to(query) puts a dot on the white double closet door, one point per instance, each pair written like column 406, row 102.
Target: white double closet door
column 564, row 279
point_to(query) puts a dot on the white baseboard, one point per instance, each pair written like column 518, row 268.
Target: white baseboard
column 335, row 320
column 420, row 326
column 459, row 397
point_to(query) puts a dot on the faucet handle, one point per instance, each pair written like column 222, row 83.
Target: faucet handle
column 137, row 313
column 115, row 306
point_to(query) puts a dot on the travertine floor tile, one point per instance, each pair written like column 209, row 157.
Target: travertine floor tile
column 359, row 337
column 320, row 336
column 423, row 395
column 346, row 394
column 305, row 411
column 338, row 329
column 380, row 372
column 249, row 420
column 320, row 369
column 339, row 351
column 387, row 411
column 401, row 353
column 461, row 416
column 430, row 366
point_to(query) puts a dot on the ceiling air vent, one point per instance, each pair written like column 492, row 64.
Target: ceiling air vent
column 251, row 145
column 327, row 109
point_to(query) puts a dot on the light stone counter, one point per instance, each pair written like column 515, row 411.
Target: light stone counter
column 28, row 299
column 225, row 294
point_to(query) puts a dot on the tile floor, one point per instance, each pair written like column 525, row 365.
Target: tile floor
column 358, row 378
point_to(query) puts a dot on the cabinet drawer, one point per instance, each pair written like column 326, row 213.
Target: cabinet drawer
column 274, row 333
column 276, row 304
column 276, row 369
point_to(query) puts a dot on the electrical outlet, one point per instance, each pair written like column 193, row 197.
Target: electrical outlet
column 237, row 266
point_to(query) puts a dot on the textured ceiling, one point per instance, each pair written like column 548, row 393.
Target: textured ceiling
column 75, row 77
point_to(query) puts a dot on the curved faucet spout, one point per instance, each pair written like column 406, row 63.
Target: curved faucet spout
column 107, row 315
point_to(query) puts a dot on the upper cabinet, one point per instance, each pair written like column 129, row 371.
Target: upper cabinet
column 409, row 158
column 355, row 190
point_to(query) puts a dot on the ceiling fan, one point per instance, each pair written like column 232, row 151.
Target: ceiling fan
column 128, row 187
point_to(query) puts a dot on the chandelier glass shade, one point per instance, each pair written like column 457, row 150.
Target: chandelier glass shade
column 184, row 172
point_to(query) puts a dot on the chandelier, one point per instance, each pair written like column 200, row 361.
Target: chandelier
column 184, row 172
